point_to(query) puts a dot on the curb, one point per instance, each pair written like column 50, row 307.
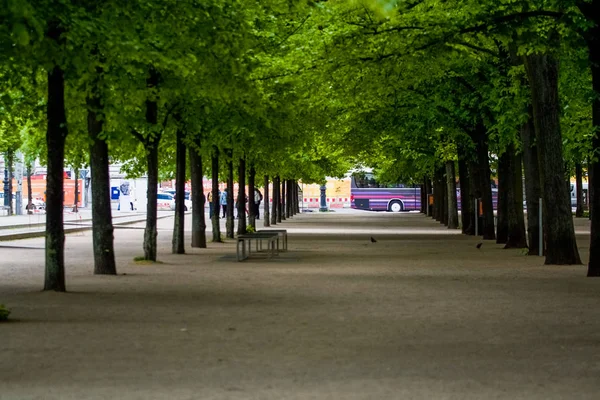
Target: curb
column 41, row 233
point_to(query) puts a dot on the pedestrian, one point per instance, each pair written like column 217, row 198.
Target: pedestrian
column 210, row 205
column 257, row 200
column 224, row 202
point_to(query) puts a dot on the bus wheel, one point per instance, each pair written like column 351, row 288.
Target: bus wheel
column 396, row 206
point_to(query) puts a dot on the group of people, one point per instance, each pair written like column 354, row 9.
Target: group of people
column 258, row 197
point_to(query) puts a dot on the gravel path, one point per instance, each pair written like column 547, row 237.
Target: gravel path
column 420, row 314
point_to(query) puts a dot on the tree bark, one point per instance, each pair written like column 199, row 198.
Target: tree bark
column 290, row 202
column 242, row 197
column 423, row 208
column 10, row 161
column 428, row 191
column 279, row 195
column 466, row 203
column 451, row 194
column 561, row 245
column 504, row 169
column 55, row 141
column 29, row 194
column 296, row 196
column 151, row 233
column 590, row 193
column 102, row 227
column 179, row 223
column 579, row 189
column 151, row 145
column 275, row 204
column 517, row 236
column 76, row 201
column 198, row 199
column 592, row 12
column 230, row 223
column 283, row 198
column 216, row 230
column 438, row 193
column 479, row 136
column 251, row 199
column 444, row 194
column 266, row 214
column 533, row 190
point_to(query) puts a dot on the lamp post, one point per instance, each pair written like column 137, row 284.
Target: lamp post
column 323, row 203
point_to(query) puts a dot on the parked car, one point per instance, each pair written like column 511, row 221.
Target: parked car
column 37, row 203
column 165, row 201
column 187, row 201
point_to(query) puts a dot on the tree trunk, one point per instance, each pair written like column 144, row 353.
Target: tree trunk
column 504, row 169
column 102, row 226
column 296, row 196
column 151, row 233
column 517, row 237
column 151, row 146
column 242, row 197
column 438, row 200
column 590, row 194
column 275, row 203
column 279, row 195
column 179, row 224
column 10, row 161
column 76, row 194
column 561, row 245
column 55, row 141
column 251, row 198
column 479, row 136
column 29, row 194
column 592, row 11
column 229, row 223
column 266, row 214
column 283, row 199
column 216, row 230
column 533, row 190
column 579, row 189
column 423, row 208
column 198, row 199
column 466, row 203
column 451, row 194
column 289, row 213
column 428, row 191
column 444, row 194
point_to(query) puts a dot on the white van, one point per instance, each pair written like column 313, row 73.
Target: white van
column 574, row 194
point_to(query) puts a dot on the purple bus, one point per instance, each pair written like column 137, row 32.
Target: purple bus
column 367, row 194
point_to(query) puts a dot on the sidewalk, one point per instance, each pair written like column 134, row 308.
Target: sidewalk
column 28, row 226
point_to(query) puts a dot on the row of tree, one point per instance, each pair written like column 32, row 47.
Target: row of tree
column 432, row 86
column 305, row 90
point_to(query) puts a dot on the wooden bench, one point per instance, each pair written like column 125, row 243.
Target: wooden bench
column 246, row 244
column 282, row 233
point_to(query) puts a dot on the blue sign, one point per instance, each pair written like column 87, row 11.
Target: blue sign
column 115, row 193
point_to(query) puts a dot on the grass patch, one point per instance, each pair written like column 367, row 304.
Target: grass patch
column 586, row 214
column 141, row 260
column 4, row 312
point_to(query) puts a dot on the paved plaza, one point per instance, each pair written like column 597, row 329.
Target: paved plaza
column 419, row 314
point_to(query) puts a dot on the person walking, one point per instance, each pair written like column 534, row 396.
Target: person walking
column 224, row 202
column 257, row 200
column 210, row 205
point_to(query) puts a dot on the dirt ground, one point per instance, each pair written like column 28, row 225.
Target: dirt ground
column 420, row 314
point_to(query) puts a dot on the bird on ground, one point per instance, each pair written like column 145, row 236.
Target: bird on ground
column 373, row 240
column 479, row 245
